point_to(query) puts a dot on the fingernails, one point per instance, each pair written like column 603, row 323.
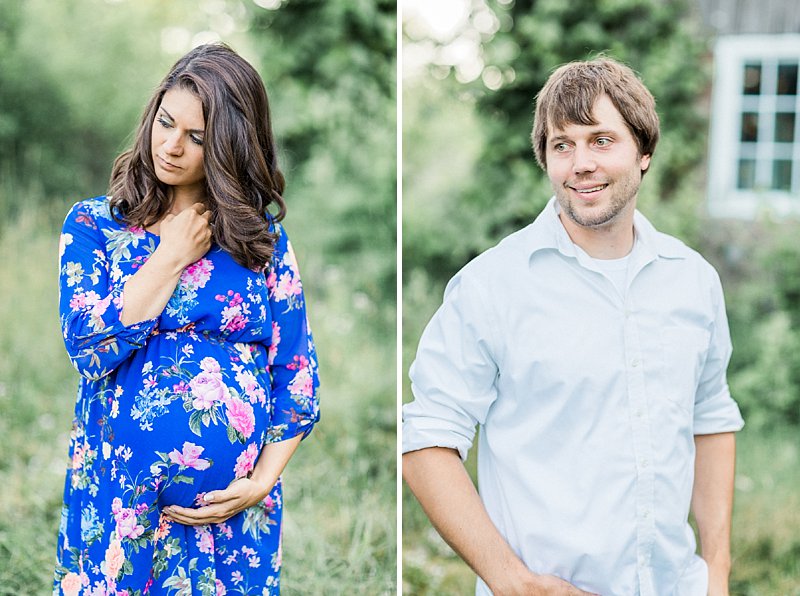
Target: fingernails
column 208, row 497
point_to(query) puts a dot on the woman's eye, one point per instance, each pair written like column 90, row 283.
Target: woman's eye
column 164, row 123
column 197, row 140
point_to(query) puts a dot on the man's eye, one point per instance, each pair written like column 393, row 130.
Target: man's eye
column 603, row 141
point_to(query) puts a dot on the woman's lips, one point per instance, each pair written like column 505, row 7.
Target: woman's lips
column 166, row 165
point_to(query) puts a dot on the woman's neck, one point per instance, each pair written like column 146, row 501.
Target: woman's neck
column 183, row 198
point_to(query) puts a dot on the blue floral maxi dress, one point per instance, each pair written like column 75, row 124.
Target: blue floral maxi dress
column 173, row 407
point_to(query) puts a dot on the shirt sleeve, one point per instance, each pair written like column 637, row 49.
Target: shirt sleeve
column 89, row 303
column 453, row 377
column 292, row 355
column 715, row 410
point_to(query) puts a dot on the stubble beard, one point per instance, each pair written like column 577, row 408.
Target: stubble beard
column 623, row 195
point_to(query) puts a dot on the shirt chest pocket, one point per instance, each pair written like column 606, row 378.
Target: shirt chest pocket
column 683, row 355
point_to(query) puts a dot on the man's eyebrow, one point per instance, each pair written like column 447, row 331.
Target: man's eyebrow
column 593, row 133
column 193, row 130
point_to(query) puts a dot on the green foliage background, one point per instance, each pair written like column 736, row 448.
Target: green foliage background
column 74, row 78
column 469, row 179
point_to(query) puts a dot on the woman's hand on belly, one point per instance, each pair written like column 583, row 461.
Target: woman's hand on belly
column 240, row 494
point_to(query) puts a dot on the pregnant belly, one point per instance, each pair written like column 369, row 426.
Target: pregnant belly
column 196, row 465
column 191, row 425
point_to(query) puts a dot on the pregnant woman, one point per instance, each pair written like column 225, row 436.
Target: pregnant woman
column 182, row 308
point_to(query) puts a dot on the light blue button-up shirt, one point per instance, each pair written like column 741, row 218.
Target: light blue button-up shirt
column 588, row 401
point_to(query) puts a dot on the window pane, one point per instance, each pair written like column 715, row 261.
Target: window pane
column 752, row 79
column 749, row 127
column 787, row 79
column 782, row 174
column 784, row 127
column 747, row 173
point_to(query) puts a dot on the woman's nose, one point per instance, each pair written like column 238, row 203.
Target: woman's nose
column 173, row 144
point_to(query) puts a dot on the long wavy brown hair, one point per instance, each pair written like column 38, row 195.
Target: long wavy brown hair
column 242, row 178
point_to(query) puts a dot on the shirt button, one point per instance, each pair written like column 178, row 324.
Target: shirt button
column 635, row 362
column 645, row 463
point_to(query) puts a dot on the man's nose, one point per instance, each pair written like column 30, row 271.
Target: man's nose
column 583, row 160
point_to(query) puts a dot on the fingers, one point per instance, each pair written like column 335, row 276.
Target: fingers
column 212, row 514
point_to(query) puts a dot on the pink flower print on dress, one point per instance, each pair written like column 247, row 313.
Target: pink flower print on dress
column 115, row 558
column 240, row 416
column 276, row 340
column 190, row 457
column 197, row 274
column 221, row 590
column 205, row 540
column 249, row 384
column 127, row 524
column 288, row 286
column 71, row 584
column 101, row 306
column 233, row 319
column 302, row 384
column 234, row 315
column 298, row 362
column 246, row 461
column 210, row 365
column 272, row 279
column 78, row 457
column 208, row 389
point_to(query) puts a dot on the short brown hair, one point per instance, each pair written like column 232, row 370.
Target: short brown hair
column 569, row 95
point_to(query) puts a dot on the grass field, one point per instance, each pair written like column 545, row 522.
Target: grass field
column 340, row 528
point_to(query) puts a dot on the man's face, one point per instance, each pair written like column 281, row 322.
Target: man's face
column 595, row 170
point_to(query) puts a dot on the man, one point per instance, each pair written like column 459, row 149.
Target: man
column 592, row 352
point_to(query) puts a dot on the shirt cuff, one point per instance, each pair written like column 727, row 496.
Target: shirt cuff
column 717, row 414
column 422, row 433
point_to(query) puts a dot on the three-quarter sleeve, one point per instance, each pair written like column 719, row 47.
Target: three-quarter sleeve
column 90, row 303
column 292, row 356
column 453, row 377
column 715, row 410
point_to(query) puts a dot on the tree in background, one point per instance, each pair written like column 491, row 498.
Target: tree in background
column 333, row 64
column 528, row 40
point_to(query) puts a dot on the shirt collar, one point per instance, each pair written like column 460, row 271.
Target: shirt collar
column 547, row 232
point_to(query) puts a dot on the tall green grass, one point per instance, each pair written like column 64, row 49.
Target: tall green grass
column 340, row 529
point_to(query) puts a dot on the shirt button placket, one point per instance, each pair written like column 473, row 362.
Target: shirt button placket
column 642, row 448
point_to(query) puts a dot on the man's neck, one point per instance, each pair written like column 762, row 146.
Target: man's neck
column 611, row 241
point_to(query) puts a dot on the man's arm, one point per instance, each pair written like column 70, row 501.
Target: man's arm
column 712, row 504
column 440, row 482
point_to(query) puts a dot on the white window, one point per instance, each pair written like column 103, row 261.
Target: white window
column 754, row 160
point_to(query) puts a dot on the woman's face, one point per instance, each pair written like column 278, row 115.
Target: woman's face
column 177, row 140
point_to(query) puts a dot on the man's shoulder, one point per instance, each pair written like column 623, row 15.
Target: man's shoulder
column 508, row 257
column 672, row 248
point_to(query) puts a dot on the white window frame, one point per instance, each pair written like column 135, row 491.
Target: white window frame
column 725, row 199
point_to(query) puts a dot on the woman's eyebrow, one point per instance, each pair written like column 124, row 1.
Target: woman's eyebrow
column 193, row 130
